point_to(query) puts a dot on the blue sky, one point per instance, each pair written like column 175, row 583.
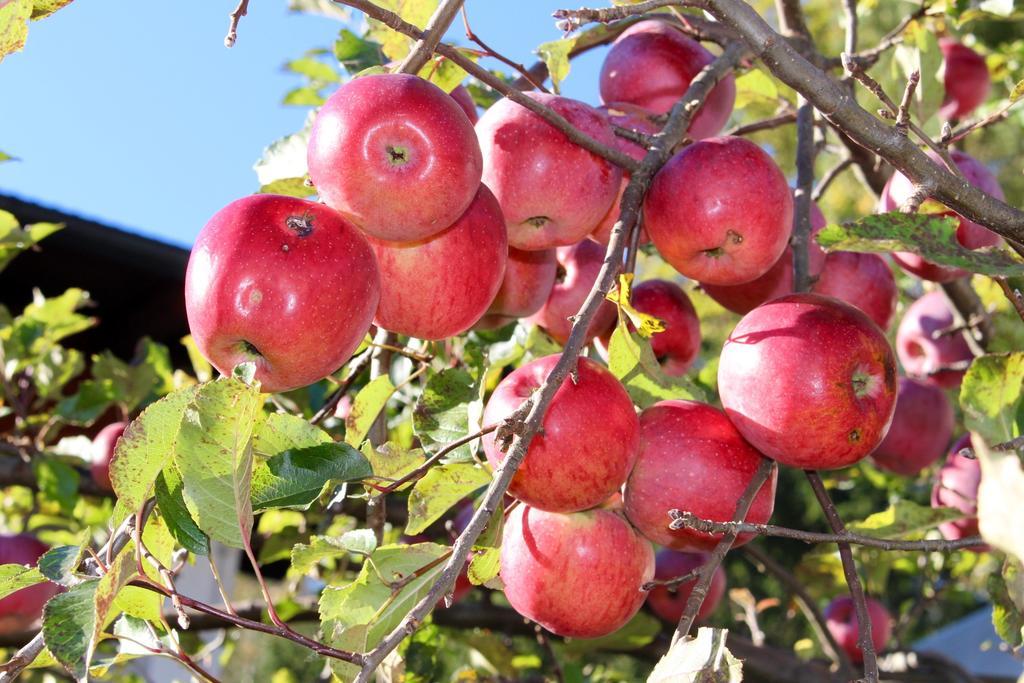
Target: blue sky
column 135, row 113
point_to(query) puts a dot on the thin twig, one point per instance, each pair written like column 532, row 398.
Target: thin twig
column 903, row 113
column 1013, row 294
column 867, row 647
column 332, row 401
column 829, row 177
column 850, row 11
column 240, row 11
column 418, row 473
column 669, row 583
column 960, row 133
column 519, row 68
column 783, row 119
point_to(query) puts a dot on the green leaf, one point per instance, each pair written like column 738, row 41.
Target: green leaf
column 289, row 187
column 14, row 15
column 313, row 69
column 319, row 548
column 58, row 482
column 170, row 500
column 4, row 156
column 698, row 660
column 214, row 455
column 439, row 489
column 14, row 577
column 394, row 44
column 130, row 384
column 555, row 54
column 69, row 625
column 284, row 158
column 1001, row 499
column 90, row 401
column 755, row 86
column 484, row 565
column 60, row 563
column 305, row 96
column 904, row 519
column 356, row 54
column 368, row 404
column 639, row 631
column 1006, row 590
column 201, row 366
column 443, row 411
column 44, row 8
column 933, row 237
column 990, row 394
column 59, row 314
column 390, row 461
column 357, row 616
column 147, row 446
column 13, row 239
column 1018, row 91
column 443, row 72
column 632, row 361
column 55, row 369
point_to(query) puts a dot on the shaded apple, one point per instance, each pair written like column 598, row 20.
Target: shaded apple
column 841, row 620
column 652, row 64
column 103, row 451
column 862, row 280
column 395, row 155
column 966, row 79
column 636, row 119
column 809, row 380
column 529, row 278
column 956, row 486
column 552, row 191
column 441, row 286
column 284, row 282
column 970, row 234
column 720, row 211
column 578, row 268
column 692, row 458
column 588, row 442
column 921, row 429
column 578, row 575
column 778, row 281
column 22, row 609
column 669, row 603
column 465, row 100
column 924, row 345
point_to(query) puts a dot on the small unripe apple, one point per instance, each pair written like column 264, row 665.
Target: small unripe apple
column 588, row 442
column 925, row 345
column 968, row 233
column 841, row 620
column 692, row 459
column 720, row 211
column 966, row 79
column 634, row 118
column 22, row 609
column 862, row 280
column 578, row 575
column 284, row 282
column 395, row 155
column 441, row 286
column 809, row 380
column 670, row 603
column 529, row 278
column 552, row 191
column 103, row 451
column 778, row 281
column 956, row 486
column 920, row 430
column 578, row 268
column 652, row 64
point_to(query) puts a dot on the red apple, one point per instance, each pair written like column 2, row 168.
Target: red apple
column 441, row 286
column 862, row 280
column 679, row 342
column 842, row 623
column 578, row 268
column 651, row 65
column 923, row 348
column 529, row 278
column 552, row 191
column 589, row 439
column 636, row 119
column 692, row 459
column 720, row 211
column 966, row 79
column 465, row 100
column 971, row 235
column 809, row 380
column 670, row 603
column 284, row 282
column 920, row 430
column 778, row 281
column 395, row 155
column 577, row 575
column 102, row 452
column 22, row 609
column 956, row 486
